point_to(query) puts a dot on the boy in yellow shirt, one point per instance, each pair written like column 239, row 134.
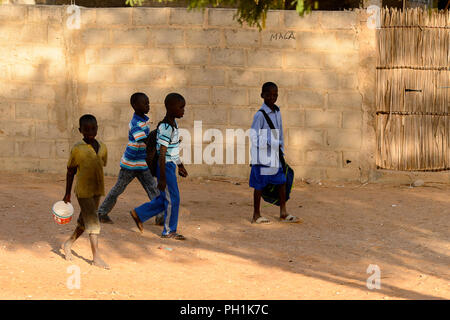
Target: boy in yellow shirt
column 87, row 159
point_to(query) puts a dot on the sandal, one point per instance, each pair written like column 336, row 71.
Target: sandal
column 262, row 220
column 291, row 219
column 174, row 235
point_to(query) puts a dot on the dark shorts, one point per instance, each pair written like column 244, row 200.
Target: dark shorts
column 259, row 181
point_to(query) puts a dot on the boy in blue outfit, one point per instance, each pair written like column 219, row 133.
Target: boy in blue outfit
column 133, row 164
column 266, row 148
column 167, row 146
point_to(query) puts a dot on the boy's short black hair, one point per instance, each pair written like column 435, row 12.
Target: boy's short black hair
column 87, row 118
column 172, row 97
column 135, row 96
column 268, row 85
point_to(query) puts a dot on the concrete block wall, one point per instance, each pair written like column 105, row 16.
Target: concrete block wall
column 51, row 75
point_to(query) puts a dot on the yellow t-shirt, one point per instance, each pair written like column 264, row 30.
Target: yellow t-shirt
column 89, row 169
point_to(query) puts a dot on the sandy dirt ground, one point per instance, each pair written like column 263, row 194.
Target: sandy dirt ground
column 347, row 227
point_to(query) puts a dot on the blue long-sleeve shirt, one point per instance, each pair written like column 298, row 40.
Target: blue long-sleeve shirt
column 264, row 142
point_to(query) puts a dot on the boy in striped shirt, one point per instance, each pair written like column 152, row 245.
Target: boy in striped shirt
column 167, row 146
column 133, row 164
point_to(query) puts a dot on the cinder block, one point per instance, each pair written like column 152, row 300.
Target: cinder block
column 279, row 39
column 28, row 72
column 305, row 98
column 203, row 37
column 265, row 58
column 133, row 36
column 6, row 147
column 344, row 139
column 113, row 16
column 45, row 14
column 12, row 91
column 96, row 36
column 337, row 20
column 293, row 118
column 35, row 149
column 150, row 16
column 352, row 120
column 317, row 41
column 55, row 35
column 98, row 73
column 345, row 100
column 191, row 56
column 227, row 57
column 90, row 56
column 116, row 94
column 140, row 74
column 307, row 139
column 244, row 78
column 13, row 12
column 341, row 61
column 230, row 97
column 51, row 166
column 116, row 55
column 24, row 165
column 323, row 119
column 210, row 115
column 32, row 111
column 348, row 81
column 307, row 172
column 206, row 76
column 154, row 56
column 283, row 78
column 195, row 96
column 310, row 21
column 174, row 77
column 222, row 17
column 43, row 92
column 346, row 174
column 33, row 32
column 242, row 38
column 6, row 110
column 242, row 117
column 46, row 130
column 168, row 37
column 62, row 149
column 346, row 41
column 322, row 158
column 350, row 159
column 23, row 128
column 320, row 80
column 181, row 16
column 274, row 19
column 295, row 156
column 302, row 59
column 88, row 16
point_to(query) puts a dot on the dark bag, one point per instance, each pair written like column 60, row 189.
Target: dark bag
column 152, row 154
column 270, row 192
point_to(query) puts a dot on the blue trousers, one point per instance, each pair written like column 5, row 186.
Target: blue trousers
column 167, row 201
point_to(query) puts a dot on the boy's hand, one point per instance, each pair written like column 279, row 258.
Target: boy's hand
column 182, row 171
column 66, row 198
column 162, row 185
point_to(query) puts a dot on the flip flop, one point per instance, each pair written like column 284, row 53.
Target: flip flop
column 262, row 220
column 291, row 219
column 137, row 221
column 174, row 235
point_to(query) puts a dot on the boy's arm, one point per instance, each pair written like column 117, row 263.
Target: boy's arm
column 69, row 181
column 162, row 168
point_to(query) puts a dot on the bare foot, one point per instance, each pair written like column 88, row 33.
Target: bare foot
column 98, row 262
column 67, row 247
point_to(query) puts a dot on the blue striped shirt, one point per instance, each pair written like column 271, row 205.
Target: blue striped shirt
column 168, row 136
column 135, row 153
